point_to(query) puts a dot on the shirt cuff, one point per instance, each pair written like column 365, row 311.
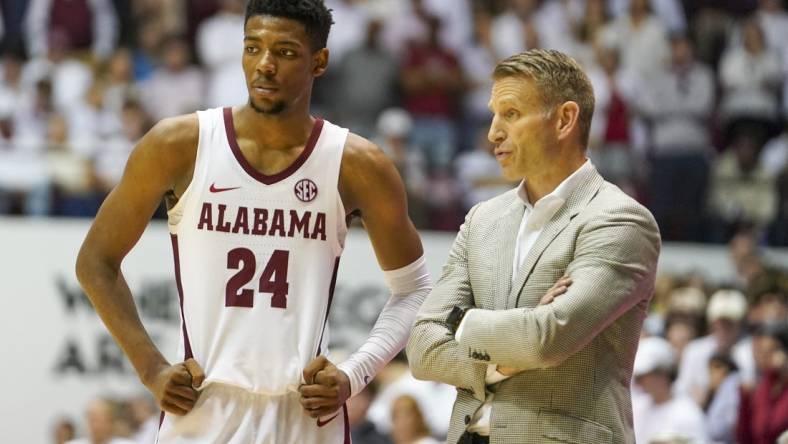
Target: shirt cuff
column 458, row 333
column 493, row 376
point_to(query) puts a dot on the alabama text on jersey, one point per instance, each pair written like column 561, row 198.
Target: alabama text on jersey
column 256, row 257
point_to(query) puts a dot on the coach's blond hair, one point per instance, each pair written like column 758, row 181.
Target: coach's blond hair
column 558, row 78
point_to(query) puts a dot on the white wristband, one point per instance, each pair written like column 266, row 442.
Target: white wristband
column 409, row 287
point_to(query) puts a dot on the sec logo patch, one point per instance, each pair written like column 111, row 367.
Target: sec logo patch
column 305, row 190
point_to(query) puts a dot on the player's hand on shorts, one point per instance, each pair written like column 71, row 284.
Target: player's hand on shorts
column 175, row 386
column 560, row 287
column 326, row 388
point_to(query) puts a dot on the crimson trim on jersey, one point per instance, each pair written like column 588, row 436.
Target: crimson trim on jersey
column 229, row 128
column 347, row 425
column 186, row 344
column 330, row 299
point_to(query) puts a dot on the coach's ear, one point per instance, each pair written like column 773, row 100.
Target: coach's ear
column 567, row 122
column 319, row 62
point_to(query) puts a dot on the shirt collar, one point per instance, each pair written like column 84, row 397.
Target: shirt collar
column 547, row 206
column 565, row 188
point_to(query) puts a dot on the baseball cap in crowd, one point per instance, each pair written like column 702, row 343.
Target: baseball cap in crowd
column 654, row 353
column 394, row 122
column 727, row 304
column 687, row 300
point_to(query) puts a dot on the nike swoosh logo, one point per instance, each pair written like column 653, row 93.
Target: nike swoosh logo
column 213, row 189
column 322, row 423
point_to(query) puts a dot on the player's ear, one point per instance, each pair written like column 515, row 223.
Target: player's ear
column 319, row 62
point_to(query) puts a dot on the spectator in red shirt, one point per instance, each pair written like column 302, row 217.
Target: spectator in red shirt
column 432, row 80
column 763, row 412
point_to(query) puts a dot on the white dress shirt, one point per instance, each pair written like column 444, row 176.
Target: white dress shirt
column 534, row 219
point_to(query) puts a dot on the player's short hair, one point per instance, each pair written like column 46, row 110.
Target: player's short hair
column 558, row 78
column 313, row 14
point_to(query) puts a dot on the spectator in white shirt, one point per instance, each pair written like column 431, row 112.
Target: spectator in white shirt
column 725, row 314
column 110, row 160
column 641, row 37
column 406, row 22
column 31, row 118
column 774, row 156
column 670, row 12
column 478, row 61
column 351, row 18
column 678, row 104
column 70, row 77
column 774, row 22
column 220, row 49
column 657, row 413
column 751, row 77
column 177, row 86
column 515, row 30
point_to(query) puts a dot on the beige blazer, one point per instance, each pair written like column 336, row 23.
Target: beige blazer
column 575, row 354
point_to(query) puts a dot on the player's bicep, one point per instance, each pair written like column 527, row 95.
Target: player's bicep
column 150, row 172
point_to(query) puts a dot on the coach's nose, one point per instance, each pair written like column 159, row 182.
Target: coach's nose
column 496, row 134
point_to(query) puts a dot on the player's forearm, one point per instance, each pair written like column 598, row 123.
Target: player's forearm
column 409, row 286
column 109, row 293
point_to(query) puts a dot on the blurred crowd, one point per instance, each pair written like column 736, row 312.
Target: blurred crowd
column 712, row 365
column 691, row 115
column 711, row 368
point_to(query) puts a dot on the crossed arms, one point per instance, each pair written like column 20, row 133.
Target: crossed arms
column 612, row 270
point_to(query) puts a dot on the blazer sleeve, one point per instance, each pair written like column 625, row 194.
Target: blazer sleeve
column 432, row 351
column 613, row 270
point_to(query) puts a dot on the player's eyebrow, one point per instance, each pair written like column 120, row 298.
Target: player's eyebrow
column 278, row 42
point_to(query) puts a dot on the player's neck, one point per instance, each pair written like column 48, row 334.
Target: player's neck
column 273, row 131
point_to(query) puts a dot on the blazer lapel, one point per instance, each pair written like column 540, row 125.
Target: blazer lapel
column 576, row 202
column 507, row 227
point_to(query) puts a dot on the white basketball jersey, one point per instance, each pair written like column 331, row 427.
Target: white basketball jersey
column 256, row 257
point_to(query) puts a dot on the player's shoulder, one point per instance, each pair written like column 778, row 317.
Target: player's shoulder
column 364, row 163
column 174, row 132
column 362, row 154
column 367, row 173
column 167, row 151
column 171, row 143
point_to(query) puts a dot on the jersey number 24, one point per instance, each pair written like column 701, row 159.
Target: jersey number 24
column 273, row 280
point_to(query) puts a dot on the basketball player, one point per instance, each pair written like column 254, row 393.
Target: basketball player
column 257, row 202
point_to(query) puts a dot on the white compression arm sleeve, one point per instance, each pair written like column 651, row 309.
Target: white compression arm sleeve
column 409, row 287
